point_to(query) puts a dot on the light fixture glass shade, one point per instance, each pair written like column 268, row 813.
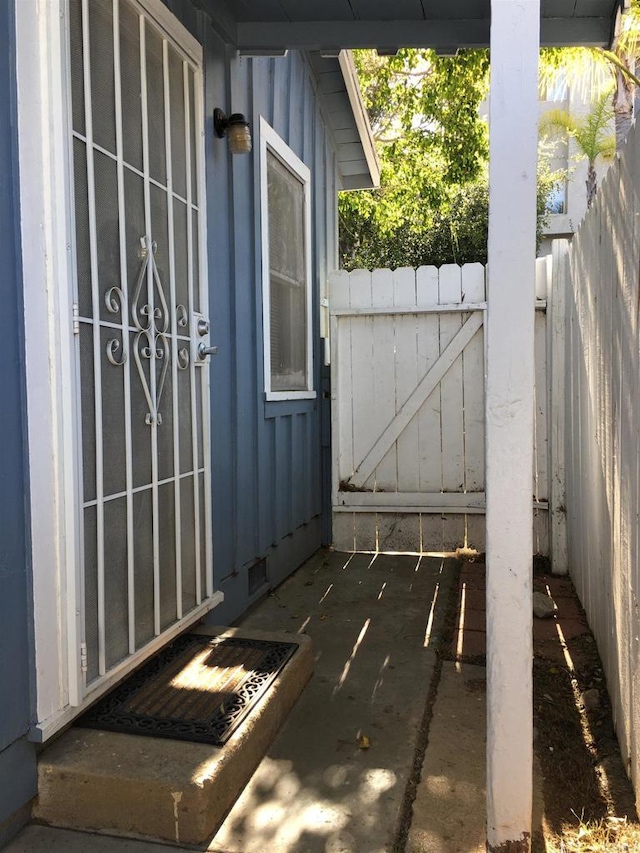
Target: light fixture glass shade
column 239, row 137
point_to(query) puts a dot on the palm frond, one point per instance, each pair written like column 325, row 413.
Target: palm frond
column 583, row 70
column 608, row 148
column 559, row 122
column 593, row 134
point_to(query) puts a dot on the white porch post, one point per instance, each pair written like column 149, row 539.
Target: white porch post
column 513, row 117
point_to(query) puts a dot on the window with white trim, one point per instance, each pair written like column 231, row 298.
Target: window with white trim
column 286, row 264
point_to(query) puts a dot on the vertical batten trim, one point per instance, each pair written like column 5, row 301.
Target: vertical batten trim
column 288, row 118
column 325, row 252
column 244, row 320
column 272, row 90
column 202, row 283
column 265, row 524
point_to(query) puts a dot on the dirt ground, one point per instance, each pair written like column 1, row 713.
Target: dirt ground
column 589, row 804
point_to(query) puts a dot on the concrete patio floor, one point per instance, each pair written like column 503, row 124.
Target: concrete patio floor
column 399, row 644
column 335, row 779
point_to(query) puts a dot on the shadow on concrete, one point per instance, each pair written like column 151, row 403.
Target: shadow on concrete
column 450, row 806
column 391, row 632
column 336, row 777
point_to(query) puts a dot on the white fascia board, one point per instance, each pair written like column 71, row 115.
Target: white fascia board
column 350, row 76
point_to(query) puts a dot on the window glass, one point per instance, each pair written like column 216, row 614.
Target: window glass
column 557, row 198
column 287, row 278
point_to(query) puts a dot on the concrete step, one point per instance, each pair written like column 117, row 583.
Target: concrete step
column 165, row 790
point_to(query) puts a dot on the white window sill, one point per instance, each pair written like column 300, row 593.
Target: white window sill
column 290, row 395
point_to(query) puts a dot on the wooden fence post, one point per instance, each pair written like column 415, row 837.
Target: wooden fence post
column 556, row 322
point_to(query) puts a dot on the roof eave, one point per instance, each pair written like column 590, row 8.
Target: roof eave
column 372, row 178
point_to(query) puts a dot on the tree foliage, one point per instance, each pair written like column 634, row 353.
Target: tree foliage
column 431, row 142
column 432, row 206
column 457, row 233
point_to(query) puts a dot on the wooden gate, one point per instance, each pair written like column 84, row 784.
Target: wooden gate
column 408, row 409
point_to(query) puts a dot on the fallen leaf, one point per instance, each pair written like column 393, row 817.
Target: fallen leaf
column 364, row 742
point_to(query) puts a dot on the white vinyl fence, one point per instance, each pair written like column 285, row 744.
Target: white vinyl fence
column 603, row 435
column 408, row 408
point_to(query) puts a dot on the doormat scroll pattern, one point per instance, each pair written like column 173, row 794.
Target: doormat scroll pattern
column 198, row 689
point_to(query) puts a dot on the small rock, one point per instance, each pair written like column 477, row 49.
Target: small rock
column 543, row 605
column 591, row 699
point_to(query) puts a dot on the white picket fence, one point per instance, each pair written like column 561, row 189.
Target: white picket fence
column 603, row 435
column 408, row 408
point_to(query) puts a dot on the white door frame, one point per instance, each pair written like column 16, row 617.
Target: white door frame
column 47, row 258
column 53, row 411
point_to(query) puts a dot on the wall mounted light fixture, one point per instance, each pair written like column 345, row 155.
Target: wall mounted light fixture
column 236, row 128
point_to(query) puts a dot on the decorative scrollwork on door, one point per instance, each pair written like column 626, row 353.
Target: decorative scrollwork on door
column 116, row 350
column 152, row 324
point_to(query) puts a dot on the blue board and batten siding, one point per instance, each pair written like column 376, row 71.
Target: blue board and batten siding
column 267, row 487
column 266, row 456
column 17, row 756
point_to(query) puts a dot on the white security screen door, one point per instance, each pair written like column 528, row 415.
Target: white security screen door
column 140, row 318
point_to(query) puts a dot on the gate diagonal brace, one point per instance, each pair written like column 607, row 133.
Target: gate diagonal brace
column 416, row 399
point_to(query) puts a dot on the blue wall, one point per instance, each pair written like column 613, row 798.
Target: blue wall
column 17, row 758
column 266, row 456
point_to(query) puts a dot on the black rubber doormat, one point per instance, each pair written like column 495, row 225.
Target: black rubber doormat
column 197, row 689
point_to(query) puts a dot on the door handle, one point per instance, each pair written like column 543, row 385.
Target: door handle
column 204, row 350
